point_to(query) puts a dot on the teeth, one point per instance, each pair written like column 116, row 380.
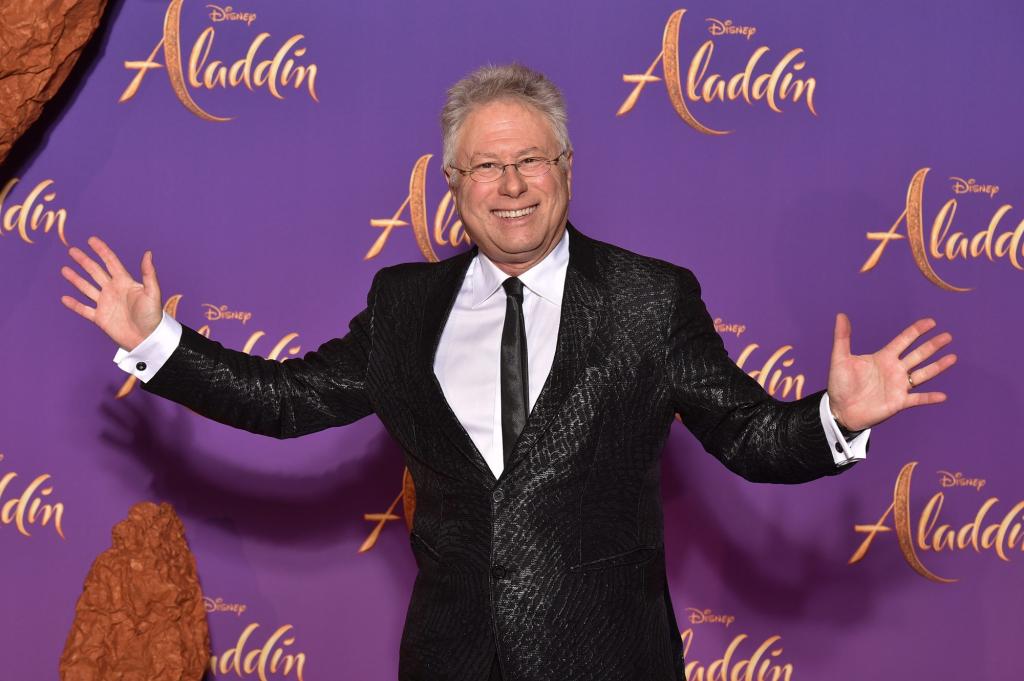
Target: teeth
column 514, row 213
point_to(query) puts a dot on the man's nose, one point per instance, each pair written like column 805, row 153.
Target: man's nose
column 511, row 183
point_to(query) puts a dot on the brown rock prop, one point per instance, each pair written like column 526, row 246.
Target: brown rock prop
column 40, row 41
column 140, row 616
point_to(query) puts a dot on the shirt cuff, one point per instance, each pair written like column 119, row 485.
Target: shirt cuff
column 843, row 452
column 148, row 356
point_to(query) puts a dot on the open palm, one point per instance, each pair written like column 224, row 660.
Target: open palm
column 865, row 390
column 126, row 310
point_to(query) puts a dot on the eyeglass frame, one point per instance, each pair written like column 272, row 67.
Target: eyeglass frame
column 548, row 162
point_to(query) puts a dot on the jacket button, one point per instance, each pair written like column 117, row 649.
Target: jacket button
column 141, row 366
column 498, row 571
column 498, row 495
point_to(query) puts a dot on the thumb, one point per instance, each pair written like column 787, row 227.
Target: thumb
column 149, row 281
column 841, row 337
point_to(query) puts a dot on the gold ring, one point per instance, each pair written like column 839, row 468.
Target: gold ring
column 910, row 380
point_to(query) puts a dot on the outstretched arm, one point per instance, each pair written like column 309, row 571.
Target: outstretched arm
column 764, row 439
column 324, row 388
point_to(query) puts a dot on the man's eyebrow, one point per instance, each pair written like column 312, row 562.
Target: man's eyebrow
column 490, row 154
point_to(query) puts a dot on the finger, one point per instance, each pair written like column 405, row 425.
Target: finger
column 841, row 337
column 900, row 343
column 110, row 259
column 921, row 399
column 80, row 283
column 98, row 274
column 79, row 307
column 929, row 372
column 149, row 274
column 926, row 350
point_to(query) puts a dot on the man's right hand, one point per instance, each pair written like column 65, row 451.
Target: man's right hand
column 126, row 310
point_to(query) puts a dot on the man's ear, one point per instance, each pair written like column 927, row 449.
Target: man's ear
column 568, row 172
column 449, row 178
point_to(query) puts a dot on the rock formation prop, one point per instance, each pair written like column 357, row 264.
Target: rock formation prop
column 141, row 615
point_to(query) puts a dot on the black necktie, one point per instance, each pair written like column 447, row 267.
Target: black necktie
column 515, row 390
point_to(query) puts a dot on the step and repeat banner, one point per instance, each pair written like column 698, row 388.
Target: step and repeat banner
column 801, row 158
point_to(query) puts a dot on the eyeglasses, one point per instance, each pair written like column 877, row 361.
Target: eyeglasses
column 489, row 171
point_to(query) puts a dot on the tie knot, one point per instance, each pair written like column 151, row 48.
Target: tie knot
column 513, row 287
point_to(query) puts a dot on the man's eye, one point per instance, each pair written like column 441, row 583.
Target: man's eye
column 485, row 166
column 530, row 162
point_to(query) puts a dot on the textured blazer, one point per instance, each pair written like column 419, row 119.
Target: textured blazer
column 558, row 565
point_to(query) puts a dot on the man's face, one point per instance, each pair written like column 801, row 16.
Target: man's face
column 506, row 131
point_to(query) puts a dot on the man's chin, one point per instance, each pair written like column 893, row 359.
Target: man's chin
column 513, row 244
column 522, row 249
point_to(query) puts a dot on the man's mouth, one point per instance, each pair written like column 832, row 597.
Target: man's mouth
column 517, row 213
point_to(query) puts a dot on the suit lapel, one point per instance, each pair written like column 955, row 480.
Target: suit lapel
column 583, row 302
column 438, row 306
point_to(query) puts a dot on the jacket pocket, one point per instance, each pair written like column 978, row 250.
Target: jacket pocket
column 638, row 555
column 421, row 544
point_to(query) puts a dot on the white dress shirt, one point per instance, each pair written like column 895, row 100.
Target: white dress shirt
column 468, row 360
column 467, row 363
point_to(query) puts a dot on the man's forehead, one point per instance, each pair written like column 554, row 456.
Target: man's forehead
column 505, row 128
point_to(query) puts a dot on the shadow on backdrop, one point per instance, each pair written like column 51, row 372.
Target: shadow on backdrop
column 811, row 575
column 316, row 508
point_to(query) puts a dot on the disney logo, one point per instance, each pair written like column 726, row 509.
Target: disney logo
column 706, row 616
column 213, row 313
column 971, row 186
column 218, row 605
column 947, row 479
column 723, row 327
column 229, row 14
column 726, row 27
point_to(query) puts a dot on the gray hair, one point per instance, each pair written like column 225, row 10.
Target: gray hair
column 491, row 83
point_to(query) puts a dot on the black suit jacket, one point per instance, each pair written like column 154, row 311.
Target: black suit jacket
column 557, row 566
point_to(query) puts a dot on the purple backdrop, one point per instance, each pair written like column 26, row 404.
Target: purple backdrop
column 268, row 218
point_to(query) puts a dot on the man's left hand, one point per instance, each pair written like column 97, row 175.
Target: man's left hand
column 864, row 390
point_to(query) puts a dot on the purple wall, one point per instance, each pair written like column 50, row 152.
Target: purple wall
column 270, row 213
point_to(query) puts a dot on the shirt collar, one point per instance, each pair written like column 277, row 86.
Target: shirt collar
column 546, row 279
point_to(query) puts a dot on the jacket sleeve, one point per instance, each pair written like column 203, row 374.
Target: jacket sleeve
column 324, row 388
column 748, row 430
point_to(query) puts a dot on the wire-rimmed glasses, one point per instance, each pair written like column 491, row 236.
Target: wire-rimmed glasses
column 489, row 171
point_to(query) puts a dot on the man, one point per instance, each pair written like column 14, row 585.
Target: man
column 531, row 383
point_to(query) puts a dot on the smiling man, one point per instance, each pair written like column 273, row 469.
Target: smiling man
column 531, row 382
